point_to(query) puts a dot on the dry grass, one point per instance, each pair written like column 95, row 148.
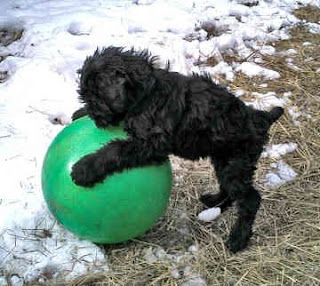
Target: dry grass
column 308, row 13
column 285, row 248
column 9, row 35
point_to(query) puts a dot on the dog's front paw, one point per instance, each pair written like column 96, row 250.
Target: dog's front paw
column 85, row 172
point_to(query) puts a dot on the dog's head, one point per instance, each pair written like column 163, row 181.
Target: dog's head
column 109, row 83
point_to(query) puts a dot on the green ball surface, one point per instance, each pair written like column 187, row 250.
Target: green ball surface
column 125, row 205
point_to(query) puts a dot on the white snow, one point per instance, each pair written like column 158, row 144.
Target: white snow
column 39, row 95
column 265, row 101
column 252, row 69
column 59, row 118
column 291, row 52
column 175, row 273
column 267, row 50
column 192, row 279
column 193, row 248
column 313, row 28
column 240, row 92
column 195, row 281
column 281, row 174
column 294, row 113
column 209, row 214
column 275, row 151
column 221, row 68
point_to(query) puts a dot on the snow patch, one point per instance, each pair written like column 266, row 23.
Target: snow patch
column 209, row 214
column 275, row 151
column 196, row 281
column 313, row 28
column 281, row 174
column 294, row 112
column 44, row 249
column 306, row 44
column 252, row 69
column 221, row 68
column 60, row 118
column 79, row 28
column 266, row 101
column 194, row 248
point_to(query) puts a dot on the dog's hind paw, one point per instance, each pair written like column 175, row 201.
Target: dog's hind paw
column 238, row 241
column 84, row 173
column 211, row 200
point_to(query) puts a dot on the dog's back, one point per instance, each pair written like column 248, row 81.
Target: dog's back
column 215, row 119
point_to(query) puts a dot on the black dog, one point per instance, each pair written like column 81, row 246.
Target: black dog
column 168, row 113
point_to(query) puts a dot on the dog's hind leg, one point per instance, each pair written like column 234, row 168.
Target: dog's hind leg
column 221, row 199
column 236, row 180
column 241, row 232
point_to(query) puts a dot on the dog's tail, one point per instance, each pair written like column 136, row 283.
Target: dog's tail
column 274, row 114
column 264, row 119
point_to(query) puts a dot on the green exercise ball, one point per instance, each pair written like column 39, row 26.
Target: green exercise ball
column 125, row 205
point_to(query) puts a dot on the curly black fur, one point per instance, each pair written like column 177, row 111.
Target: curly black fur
column 168, row 113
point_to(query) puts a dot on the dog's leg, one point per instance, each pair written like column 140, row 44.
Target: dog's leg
column 241, row 232
column 236, row 179
column 79, row 113
column 114, row 157
column 221, row 199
